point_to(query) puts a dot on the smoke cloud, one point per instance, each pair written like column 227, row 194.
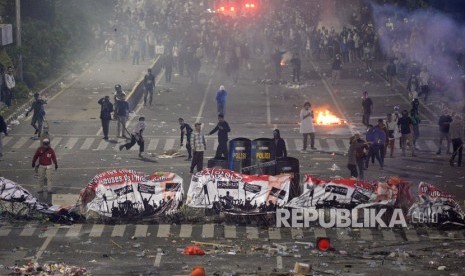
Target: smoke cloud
column 426, row 37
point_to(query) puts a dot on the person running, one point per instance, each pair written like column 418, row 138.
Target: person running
column 136, row 137
column 149, row 86
column 223, row 128
column 306, row 126
column 106, row 108
column 186, row 130
column 456, row 134
column 199, row 146
column 391, row 127
column 47, row 157
column 38, row 115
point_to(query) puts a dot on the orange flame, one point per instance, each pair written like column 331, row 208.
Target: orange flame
column 327, row 118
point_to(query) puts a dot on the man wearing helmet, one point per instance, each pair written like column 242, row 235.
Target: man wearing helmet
column 46, row 156
column 38, row 113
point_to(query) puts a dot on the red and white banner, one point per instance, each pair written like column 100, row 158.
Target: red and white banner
column 127, row 193
column 435, row 207
column 232, row 192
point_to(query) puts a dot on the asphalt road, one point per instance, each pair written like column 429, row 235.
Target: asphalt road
column 253, row 110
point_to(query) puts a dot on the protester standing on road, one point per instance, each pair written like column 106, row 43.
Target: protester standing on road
column 391, row 72
column 4, row 129
column 136, row 137
column 391, row 127
column 9, row 86
column 106, row 108
column 306, row 126
column 186, row 130
column 415, row 117
column 223, row 128
column 424, row 83
column 456, row 134
column 199, row 147
column 38, row 115
column 168, row 63
column 356, row 156
column 149, row 86
column 279, row 145
column 46, row 156
column 376, row 138
column 405, row 126
column 296, row 67
column 444, row 122
column 122, row 114
column 221, row 100
column 336, row 68
column 413, row 87
column 367, row 105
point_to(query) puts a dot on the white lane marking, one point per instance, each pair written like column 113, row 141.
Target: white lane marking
column 56, row 141
column 279, row 262
column 87, row 143
column 186, row 231
column 208, row 230
column 71, row 142
column 6, row 140
column 215, row 144
column 366, row 234
column 274, row 233
column 268, row 105
column 252, row 232
column 320, row 233
column 97, row 230
column 74, row 230
column 157, row 261
column 141, row 231
column 5, row 232
column 230, row 231
column 346, row 143
column 28, row 231
column 332, row 145
column 299, row 144
column 432, row 145
column 169, row 144
column 50, row 233
column 118, row 230
column 317, row 143
column 388, row 235
column 204, row 100
column 20, row 143
column 163, row 230
column 35, row 144
column 102, row 145
column 153, row 144
column 297, row 233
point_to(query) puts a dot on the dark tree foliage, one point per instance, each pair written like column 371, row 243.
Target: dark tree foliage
column 55, row 33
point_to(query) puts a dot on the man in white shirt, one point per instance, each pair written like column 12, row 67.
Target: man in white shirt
column 9, row 86
column 136, row 137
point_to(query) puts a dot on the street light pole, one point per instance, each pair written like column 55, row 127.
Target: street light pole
column 18, row 40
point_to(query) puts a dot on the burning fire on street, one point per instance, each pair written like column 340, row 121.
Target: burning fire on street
column 325, row 117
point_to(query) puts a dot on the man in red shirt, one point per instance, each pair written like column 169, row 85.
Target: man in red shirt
column 47, row 158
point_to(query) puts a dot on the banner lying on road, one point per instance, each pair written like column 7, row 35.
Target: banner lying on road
column 12, row 192
column 232, row 192
column 435, row 207
column 126, row 193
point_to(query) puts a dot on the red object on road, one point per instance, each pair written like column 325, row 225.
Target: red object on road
column 323, row 244
column 193, row 250
column 198, row 271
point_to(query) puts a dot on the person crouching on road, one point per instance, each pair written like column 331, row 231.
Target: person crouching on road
column 46, row 156
column 456, row 134
column 136, row 137
column 199, row 146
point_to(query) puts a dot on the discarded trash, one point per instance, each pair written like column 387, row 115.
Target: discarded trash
column 34, row 268
column 323, row 244
column 302, row 268
column 334, row 167
column 442, row 267
column 193, row 250
column 198, row 271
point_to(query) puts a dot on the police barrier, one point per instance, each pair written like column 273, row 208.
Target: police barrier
column 217, row 163
column 262, row 151
column 239, row 154
column 290, row 165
